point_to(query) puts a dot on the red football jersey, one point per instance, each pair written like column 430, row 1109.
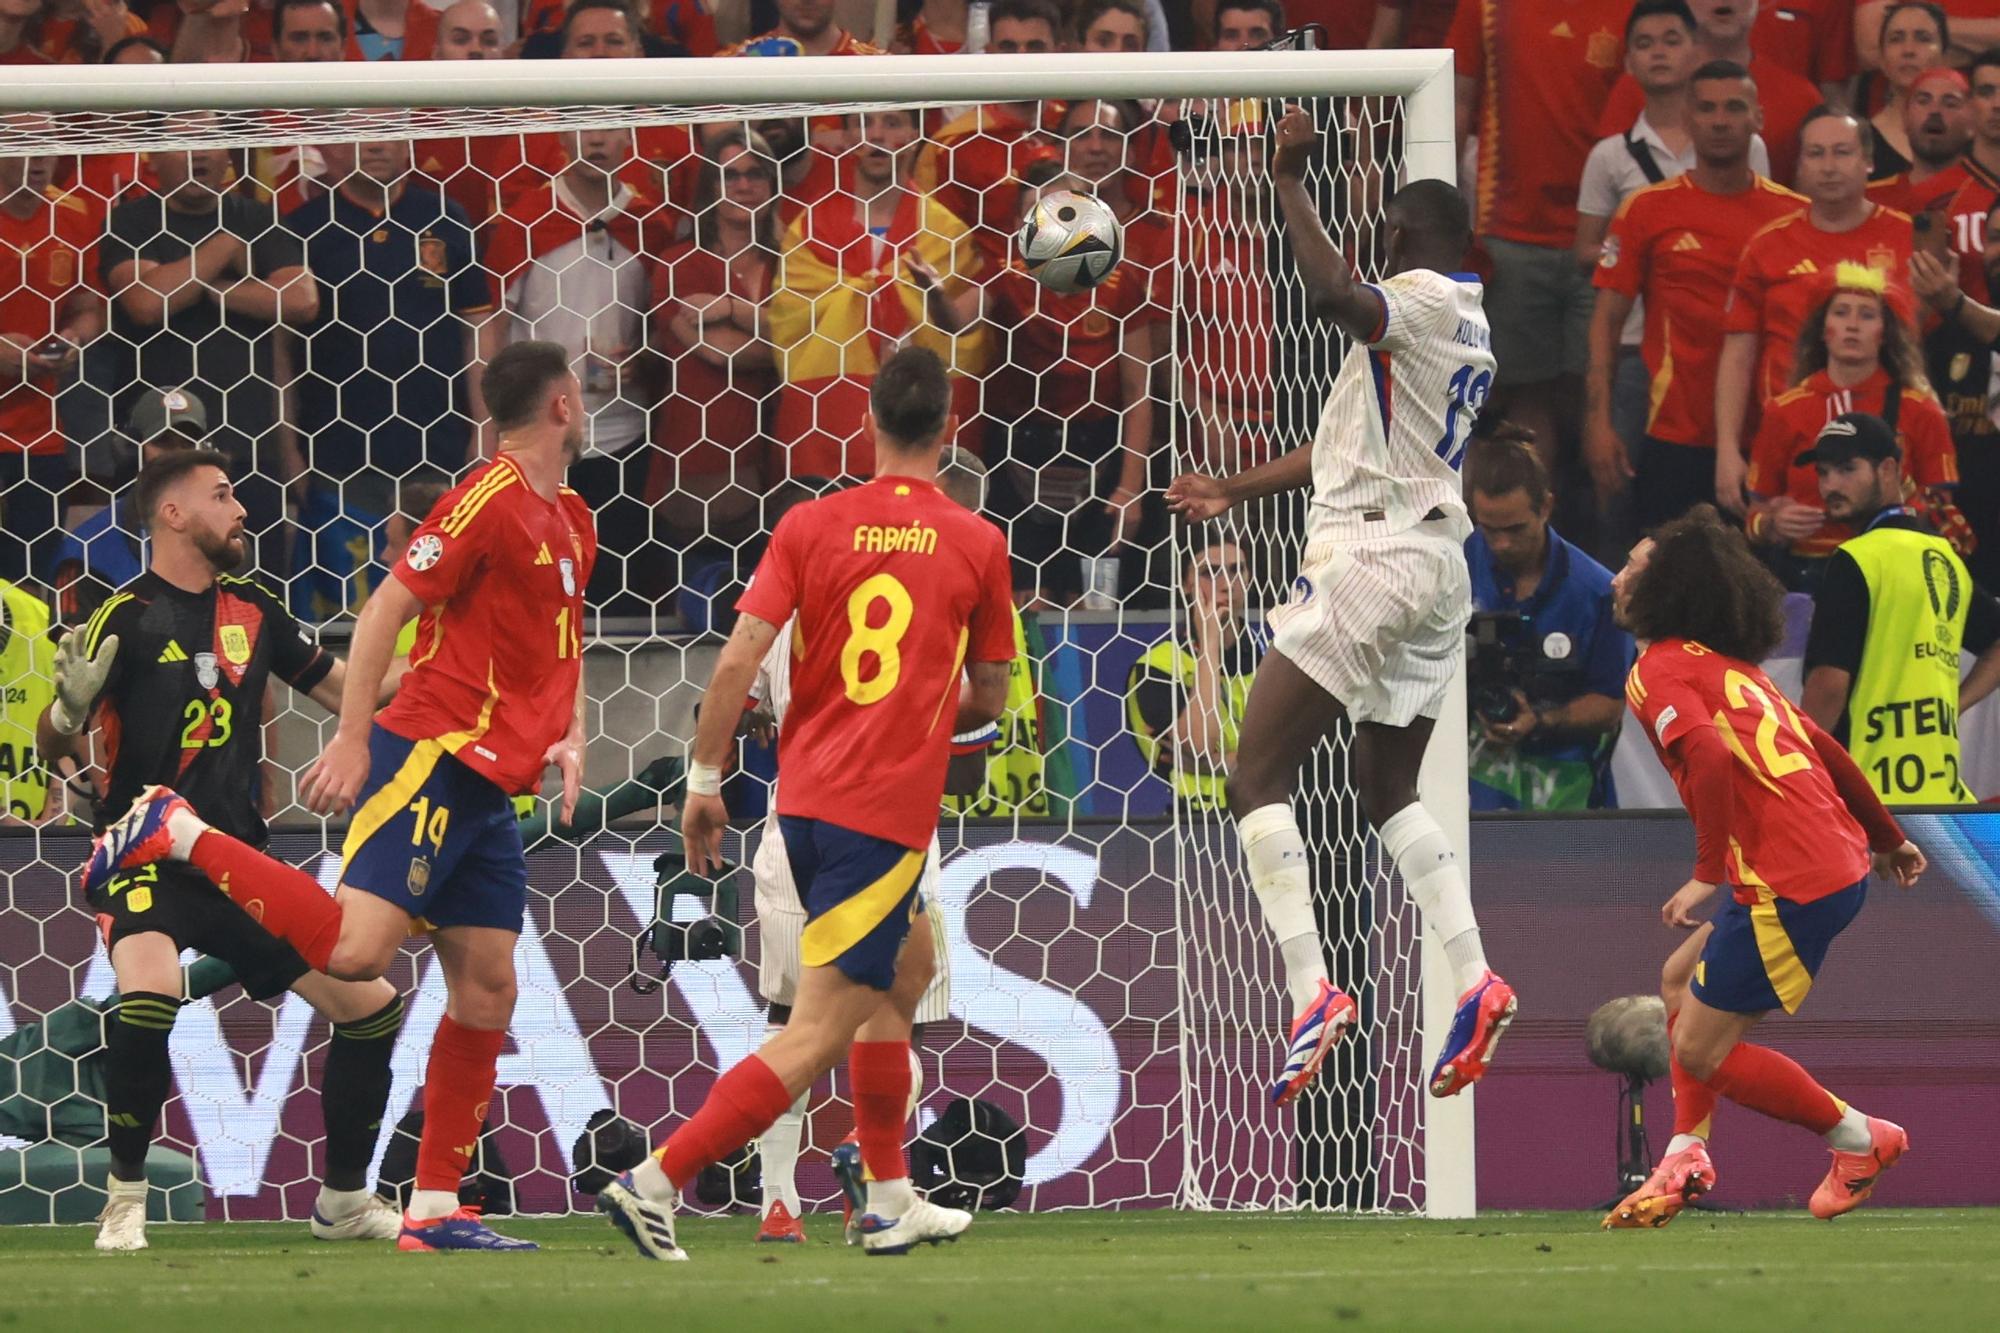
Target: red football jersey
column 1913, row 196
column 1676, row 245
column 1792, row 421
column 1965, row 214
column 499, row 648
column 1545, row 69
column 1790, row 835
column 1784, row 273
column 895, row 588
column 1786, row 99
column 47, row 262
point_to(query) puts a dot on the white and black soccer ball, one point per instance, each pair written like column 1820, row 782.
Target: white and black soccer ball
column 1070, row 242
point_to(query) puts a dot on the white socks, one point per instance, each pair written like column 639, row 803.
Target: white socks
column 334, row 1204
column 1430, row 868
column 778, row 1151
column 891, row 1198
column 429, row 1205
column 652, row 1182
column 1282, row 880
column 1681, row 1143
column 1851, row 1134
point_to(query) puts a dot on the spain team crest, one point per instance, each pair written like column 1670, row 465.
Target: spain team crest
column 62, row 266
column 235, row 642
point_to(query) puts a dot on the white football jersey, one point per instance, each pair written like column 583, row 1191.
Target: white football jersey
column 1393, row 433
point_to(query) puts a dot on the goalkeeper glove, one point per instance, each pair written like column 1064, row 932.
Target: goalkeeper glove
column 79, row 679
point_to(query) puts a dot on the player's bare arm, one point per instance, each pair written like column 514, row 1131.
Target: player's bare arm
column 984, row 697
column 331, row 686
column 1197, row 497
column 1610, row 468
column 703, row 815
column 1356, row 307
column 335, row 778
column 566, row 755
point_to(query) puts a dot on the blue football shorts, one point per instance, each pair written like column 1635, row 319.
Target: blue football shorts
column 860, row 895
column 1765, row 955
column 435, row 838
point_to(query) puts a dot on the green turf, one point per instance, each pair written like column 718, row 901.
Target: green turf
column 1709, row 1273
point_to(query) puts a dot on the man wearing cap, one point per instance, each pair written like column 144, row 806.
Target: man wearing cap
column 107, row 550
column 1894, row 610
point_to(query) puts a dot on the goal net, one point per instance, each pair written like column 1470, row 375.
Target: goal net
column 306, row 267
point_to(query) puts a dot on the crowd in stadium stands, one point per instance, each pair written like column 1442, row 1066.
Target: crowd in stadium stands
column 1696, row 222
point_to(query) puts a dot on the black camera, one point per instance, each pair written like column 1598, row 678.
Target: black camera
column 704, row 939
column 1492, row 669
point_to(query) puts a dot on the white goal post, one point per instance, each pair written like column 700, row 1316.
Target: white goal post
column 125, row 109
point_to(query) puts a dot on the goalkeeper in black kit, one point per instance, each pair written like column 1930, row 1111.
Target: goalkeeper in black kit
column 169, row 676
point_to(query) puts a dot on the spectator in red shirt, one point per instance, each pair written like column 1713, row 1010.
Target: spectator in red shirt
column 708, row 306
column 1937, row 120
column 48, row 311
column 1722, row 31
column 1780, row 274
column 972, row 165
column 864, row 273
column 1351, row 25
column 475, row 173
column 1099, row 140
column 1814, row 39
column 1072, row 418
column 34, row 32
column 1854, row 354
column 1965, row 211
column 1914, row 40
column 1676, row 244
column 221, row 32
column 1533, row 79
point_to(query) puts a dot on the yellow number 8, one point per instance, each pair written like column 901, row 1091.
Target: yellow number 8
column 882, row 640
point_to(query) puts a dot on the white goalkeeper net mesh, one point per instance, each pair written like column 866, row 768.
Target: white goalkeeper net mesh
column 725, row 277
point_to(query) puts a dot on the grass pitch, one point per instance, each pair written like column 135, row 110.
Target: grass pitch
column 1884, row 1269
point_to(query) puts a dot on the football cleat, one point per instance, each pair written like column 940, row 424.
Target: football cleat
column 1483, row 1015
column 780, row 1227
column 648, row 1225
column 1675, row 1183
column 160, row 826
column 122, row 1224
column 847, row 1170
column 375, row 1219
column 1853, row 1175
column 461, row 1230
column 924, row 1224
column 1318, row 1026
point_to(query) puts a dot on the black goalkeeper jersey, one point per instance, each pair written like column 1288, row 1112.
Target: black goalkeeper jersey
column 184, row 702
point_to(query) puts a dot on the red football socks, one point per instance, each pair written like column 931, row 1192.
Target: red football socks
column 743, row 1104
column 283, row 899
column 458, row 1085
column 1694, row 1102
column 1774, row 1085
column 881, row 1073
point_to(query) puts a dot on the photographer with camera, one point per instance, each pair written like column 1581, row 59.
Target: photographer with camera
column 1545, row 666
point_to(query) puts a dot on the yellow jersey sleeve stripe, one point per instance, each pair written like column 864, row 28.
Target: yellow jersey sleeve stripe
column 473, row 500
column 839, row 930
column 482, row 488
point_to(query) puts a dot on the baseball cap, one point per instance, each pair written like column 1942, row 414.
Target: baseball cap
column 161, row 410
column 1853, row 435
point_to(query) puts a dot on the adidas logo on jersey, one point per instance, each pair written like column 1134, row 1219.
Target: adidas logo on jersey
column 542, row 557
column 173, row 652
column 1687, row 242
column 1805, row 268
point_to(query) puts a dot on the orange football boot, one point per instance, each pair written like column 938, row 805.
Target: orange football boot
column 1675, row 1183
column 1853, row 1175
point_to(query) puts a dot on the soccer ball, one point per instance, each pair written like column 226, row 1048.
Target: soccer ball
column 1070, row 242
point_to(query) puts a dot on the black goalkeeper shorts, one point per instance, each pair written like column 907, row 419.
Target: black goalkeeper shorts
column 184, row 905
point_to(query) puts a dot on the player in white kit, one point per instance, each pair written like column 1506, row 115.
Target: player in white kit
column 781, row 922
column 1374, row 628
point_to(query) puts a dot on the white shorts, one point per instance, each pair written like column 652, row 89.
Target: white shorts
column 781, row 924
column 1379, row 623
